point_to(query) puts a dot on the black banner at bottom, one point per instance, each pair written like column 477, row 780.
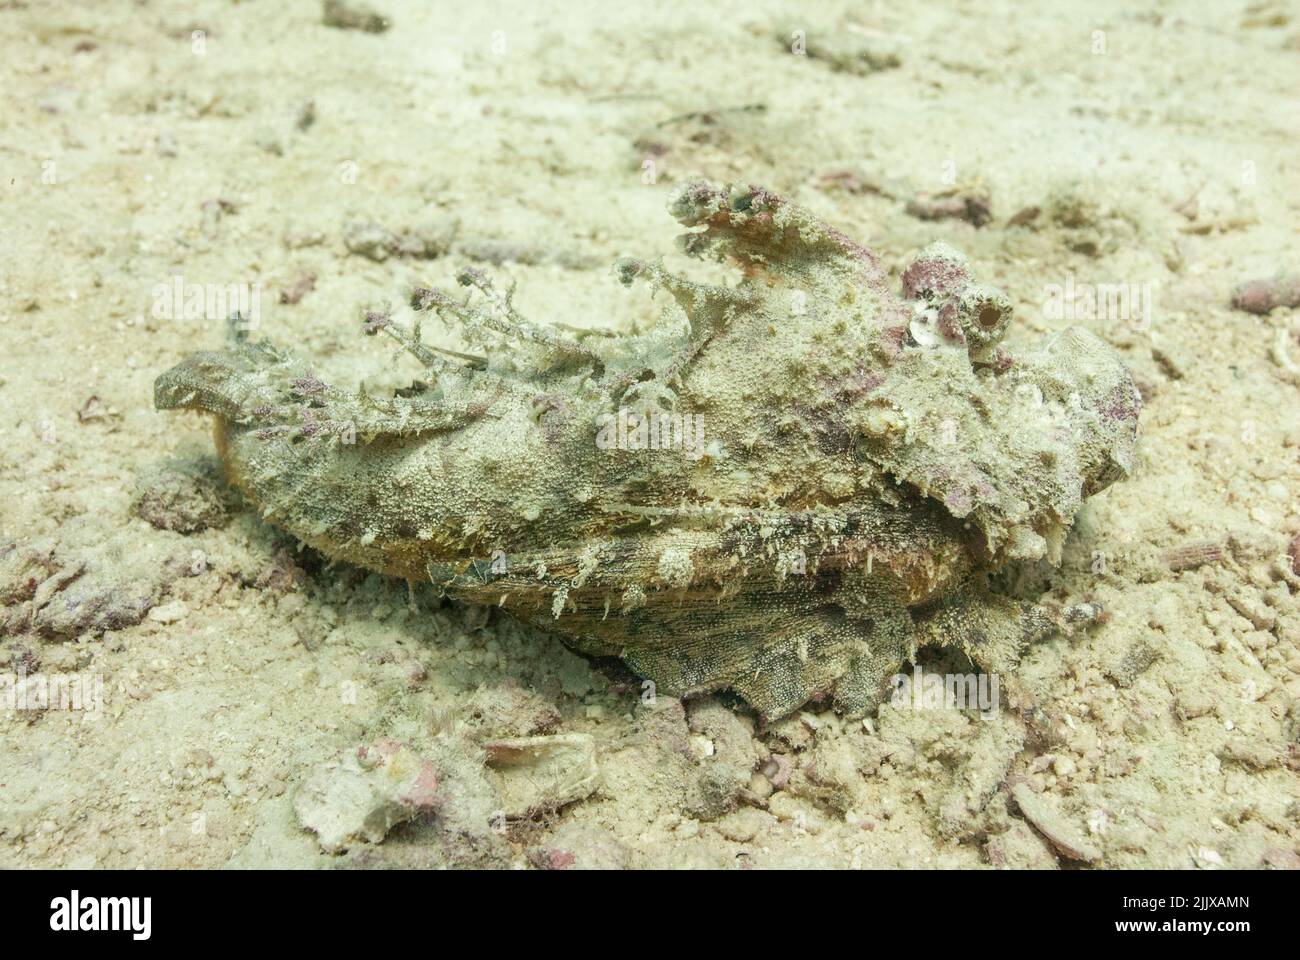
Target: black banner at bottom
column 337, row 908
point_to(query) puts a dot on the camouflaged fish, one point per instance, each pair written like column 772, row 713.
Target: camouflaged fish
column 786, row 487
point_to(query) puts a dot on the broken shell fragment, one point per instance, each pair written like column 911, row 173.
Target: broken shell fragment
column 534, row 774
column 365, row 794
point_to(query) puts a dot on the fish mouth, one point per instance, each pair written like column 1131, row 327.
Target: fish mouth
column 209, row 381
column 1105, row 388
column 221, row 382
column 1118, row 412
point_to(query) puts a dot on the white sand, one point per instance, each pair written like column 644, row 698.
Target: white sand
column 130, row 154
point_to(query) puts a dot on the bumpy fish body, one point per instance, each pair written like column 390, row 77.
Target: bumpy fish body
column 786, row 491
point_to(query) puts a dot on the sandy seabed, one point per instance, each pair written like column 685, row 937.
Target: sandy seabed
column 145, row 144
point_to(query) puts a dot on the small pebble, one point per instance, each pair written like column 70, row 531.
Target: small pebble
column 169, row 612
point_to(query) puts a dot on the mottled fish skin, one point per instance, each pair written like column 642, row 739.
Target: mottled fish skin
column 208, row 381
column 843, row 465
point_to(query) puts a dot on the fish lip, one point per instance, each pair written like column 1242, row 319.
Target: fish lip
column 168, row 391
column 207, row 381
